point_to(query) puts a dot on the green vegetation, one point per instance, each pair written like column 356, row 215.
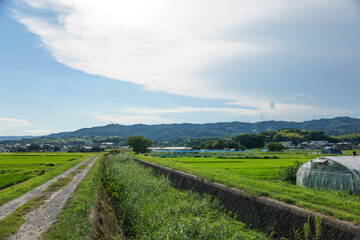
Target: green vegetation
column 288, row 174
column 243, row 174
column 274, row 146
column 149, row 208
column 11, row 223
column 31, row 170
column 74, row 222
column 166, row 132
column 219, row 144
column 192, row 135
column 267, row 168
column 139, row 144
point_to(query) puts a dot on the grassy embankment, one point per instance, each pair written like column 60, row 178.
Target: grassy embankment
column 28, row 171
column 257, row 177
column 74, row 222
column 148, row 207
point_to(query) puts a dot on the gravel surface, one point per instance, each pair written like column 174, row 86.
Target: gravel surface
column 40, row 219
column 9, row 207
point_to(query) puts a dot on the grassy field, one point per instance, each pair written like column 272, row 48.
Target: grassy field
column 15, row 168
column 255, row 168
column 148, row 207
column 20, row 173
column 257, row 176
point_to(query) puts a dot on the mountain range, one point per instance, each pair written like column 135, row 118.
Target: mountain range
column 163, row 132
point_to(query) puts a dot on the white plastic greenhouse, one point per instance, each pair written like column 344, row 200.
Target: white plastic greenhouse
column 341, row 173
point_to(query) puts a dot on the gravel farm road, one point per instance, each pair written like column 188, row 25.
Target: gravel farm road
column 40, row 219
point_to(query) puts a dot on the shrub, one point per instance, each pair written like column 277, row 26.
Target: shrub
column 274, row 146
column 288, row 174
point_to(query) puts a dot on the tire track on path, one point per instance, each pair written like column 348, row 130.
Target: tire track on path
column 11, row 206
column 40, row 219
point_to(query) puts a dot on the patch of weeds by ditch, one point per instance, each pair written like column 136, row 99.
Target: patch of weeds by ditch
column 147, row 207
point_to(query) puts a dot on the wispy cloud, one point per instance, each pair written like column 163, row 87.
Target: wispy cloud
column 12, row 122
column 290, row 112
column 132, row 119
column 38, row 131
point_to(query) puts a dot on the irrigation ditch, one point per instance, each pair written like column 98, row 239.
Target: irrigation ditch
column 272, row 217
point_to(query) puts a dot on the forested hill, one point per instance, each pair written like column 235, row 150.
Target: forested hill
column 162, row 132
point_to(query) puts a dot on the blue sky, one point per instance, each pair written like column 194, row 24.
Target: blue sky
column 66, row 65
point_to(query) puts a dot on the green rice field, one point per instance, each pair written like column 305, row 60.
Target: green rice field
column 16, row 168
column 256, row 174
column 256, row 168
column 20, row 172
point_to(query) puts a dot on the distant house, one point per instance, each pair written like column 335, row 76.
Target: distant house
column 108, row 145
column 344, row 146
column 288, row 144
column 170, row 148
column 313, row 145
column 4, row 150
column 88, row 149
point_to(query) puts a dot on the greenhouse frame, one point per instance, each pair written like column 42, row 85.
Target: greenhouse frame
column 340, row 173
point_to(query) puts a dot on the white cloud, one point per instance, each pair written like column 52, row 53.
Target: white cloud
column 160, row 44
column 132, row 119
column 289, row 112
column 168, row 45
column 11, row 122
column 38, row 131
column 151, row 111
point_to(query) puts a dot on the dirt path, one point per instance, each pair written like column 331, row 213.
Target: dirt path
column 39, row 220
column 9, row 207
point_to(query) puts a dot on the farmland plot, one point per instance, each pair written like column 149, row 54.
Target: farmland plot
column 16, row 168
column 258, row 177
column 255, row 168
column 20, row 173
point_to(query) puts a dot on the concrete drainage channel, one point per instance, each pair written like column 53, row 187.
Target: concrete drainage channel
column 261, row 213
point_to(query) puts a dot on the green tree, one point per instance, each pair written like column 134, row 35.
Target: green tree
column 274, row 146
column 250, row 140
column 139, row 144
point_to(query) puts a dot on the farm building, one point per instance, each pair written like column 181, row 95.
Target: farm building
column 4, row 150
column 341, row 173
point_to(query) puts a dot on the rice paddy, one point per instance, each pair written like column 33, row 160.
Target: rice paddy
column 257, row 175
column 20, row 173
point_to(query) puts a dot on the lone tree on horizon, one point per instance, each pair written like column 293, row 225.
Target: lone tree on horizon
column 139, row 144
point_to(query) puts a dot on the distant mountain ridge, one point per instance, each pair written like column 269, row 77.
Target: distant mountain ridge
column 3, row 138
column 163, row 132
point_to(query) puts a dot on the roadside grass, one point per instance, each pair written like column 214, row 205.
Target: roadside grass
column 74, row 222
column 54, row 187
column 148, row 207
column 10, row 224
column 339, row 205
column 17, row 190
